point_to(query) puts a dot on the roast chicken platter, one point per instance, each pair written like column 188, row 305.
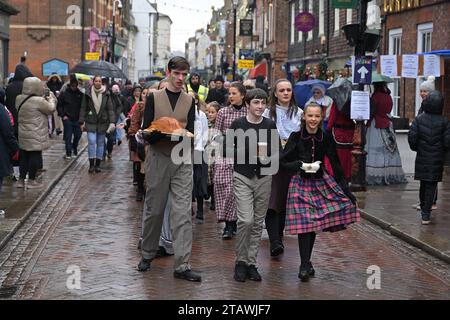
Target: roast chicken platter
column 168, row 126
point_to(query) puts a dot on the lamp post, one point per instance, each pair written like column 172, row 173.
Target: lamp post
column 113, row 40
column 359, row 139
column 235, row 4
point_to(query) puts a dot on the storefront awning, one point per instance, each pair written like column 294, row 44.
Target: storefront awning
column 259, row 70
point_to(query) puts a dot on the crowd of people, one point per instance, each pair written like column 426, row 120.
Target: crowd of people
column 309, row 146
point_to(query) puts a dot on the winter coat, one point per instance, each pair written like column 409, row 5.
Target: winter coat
column 117, row 105
column 97, row 122
column 382, row 102
column 33, row 115
column 54, row 86
column 15, row 88
column 69, row 104
column 8, row 143
column 430, row 137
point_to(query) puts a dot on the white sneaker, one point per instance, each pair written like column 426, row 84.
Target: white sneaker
column 434, row 207
column 33, row 184
column 2, row 213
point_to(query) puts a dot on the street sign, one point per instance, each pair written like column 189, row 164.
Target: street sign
column 344, row 4
column 55, row 66
column 246, row 59
column 362, row 70
column 246, row 27
column 246, row 64
column 95, row 56
column 304, row 22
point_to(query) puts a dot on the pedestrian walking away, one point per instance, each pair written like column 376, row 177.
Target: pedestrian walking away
column 316, row 200
column 251, row 184
column 384, row 165
column 164, row 176
column 429, row 136
column 287, row 116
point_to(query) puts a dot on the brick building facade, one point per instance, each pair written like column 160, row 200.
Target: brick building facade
column 422, row 27
column 326, row 42
column 49, row 29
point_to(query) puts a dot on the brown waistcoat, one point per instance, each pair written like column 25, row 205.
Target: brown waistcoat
column 163, row 108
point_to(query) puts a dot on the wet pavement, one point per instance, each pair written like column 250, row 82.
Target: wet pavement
column 19, row 203
column 391, row 207
column 91, row 224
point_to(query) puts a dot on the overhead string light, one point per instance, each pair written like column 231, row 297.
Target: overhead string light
column 183, row 7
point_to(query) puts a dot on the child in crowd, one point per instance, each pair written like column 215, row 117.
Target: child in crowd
column 255, row 139
column 212, row 109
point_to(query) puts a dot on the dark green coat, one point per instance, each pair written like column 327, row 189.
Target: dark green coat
column 97, row 122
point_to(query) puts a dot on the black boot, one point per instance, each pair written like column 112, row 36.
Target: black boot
column 305, row 243
column 272, row 226
column 97, row 165
column 91, row 165
column 228, row 231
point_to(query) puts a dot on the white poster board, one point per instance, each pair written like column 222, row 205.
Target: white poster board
column 410, row 66
column 431, row 65
column 360, row 106
column 389, row 65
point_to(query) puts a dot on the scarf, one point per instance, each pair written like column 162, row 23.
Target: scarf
column 97, row 98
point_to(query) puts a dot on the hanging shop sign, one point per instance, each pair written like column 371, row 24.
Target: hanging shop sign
column 246, row 27
column 344, row 4
column 304, row 22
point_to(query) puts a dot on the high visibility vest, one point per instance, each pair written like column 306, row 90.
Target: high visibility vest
column 202, row 92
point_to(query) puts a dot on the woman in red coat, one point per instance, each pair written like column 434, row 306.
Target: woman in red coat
column 384, row 165
column 342, row 129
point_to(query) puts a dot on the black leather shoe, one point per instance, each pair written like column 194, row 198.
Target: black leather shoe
column 303, row 274
column 227, row 233
column 276, row 249
column 188, row 275
column 240, row 271
column 311, row 270
column 144, row 265
column 253, row 274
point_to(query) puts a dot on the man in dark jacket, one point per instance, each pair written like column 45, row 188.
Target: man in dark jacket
column 69, row 106
column 14, row 89
column 219, row 94
column 429, row 136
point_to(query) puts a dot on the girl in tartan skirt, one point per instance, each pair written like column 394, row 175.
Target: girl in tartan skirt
column 223, row 169
column 316, row 200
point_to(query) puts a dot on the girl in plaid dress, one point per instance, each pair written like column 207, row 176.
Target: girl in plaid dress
column 223, row 169
column 316, row 200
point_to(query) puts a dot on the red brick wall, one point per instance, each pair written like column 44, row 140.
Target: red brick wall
column 437, row 12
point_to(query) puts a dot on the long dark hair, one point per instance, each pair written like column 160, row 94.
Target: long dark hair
column 273, row 100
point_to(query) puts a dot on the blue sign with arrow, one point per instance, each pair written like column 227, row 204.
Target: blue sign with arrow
column 362, row 71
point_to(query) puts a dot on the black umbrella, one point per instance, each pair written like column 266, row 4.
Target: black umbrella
column 99, row 68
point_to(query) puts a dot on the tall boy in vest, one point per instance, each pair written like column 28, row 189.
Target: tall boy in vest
column 164, row 176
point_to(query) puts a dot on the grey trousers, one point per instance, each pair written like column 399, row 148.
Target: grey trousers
column 252, row 201
column 163, row 177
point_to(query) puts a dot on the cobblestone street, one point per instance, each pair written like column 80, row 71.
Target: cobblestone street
column 93, row 222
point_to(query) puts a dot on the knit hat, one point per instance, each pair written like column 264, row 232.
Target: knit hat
column 428, row 85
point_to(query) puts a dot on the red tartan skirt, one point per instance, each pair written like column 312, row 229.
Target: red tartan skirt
column 315, row 205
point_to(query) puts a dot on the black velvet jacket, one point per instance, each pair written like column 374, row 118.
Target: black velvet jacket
column 308, row 148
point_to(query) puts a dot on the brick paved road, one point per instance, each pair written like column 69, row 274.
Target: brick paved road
column 93, row 222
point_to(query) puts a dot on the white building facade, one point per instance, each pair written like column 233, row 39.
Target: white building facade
column 145, row 16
